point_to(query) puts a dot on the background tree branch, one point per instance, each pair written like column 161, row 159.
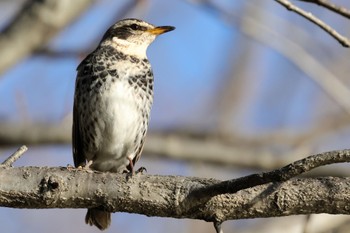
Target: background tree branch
column 204, row 147
column 331, row 6
column 34, row 25
column 307, row 15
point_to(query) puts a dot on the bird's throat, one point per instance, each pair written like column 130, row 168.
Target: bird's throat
column 138, row 50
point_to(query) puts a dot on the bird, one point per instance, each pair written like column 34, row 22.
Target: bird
column 112, row 103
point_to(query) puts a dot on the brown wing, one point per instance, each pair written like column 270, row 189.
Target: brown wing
column 78, row 156
column 85, row 75
column 83, row 69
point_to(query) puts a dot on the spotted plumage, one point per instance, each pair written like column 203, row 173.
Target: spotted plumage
column 112, row 102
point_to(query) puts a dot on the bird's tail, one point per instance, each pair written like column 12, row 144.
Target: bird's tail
column 101, row 219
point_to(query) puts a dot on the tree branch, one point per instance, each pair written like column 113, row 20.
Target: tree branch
column 164, row 196
column 205, row 147
column 181, row 197
column 307, row 15
column 331, row 6
column 279, row 175
column 34, row 25
column 15, row 156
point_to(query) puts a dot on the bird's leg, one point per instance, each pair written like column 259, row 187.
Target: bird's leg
column 87, row 166
column 131, row 172
column 131, row 163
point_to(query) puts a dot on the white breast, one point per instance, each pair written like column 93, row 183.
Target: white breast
column 122, row 119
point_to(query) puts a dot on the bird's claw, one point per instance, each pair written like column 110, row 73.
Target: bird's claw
column 85, row 167
column 70, row 167
column 131, row 174
column 141, row 170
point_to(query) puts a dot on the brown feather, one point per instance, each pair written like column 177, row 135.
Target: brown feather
column 101, row 219
column 78, row 156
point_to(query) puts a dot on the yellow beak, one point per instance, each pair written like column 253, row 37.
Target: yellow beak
column 160, row 30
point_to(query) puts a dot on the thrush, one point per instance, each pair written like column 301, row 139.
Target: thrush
column 112, row 103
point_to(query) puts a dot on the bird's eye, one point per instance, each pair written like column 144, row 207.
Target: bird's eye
column 135, row 27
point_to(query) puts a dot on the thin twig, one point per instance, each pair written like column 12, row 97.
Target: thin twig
column 10, row 160
column 307, row 15
column 321, row 75
column 331, row 6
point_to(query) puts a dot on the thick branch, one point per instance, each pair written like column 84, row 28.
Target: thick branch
column 181, row 197
column 34, row 187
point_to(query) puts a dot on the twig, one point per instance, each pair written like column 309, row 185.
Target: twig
column 331, row 6
column 322, row 76
column 10, row 160
column 307, row 15
column 283, row 174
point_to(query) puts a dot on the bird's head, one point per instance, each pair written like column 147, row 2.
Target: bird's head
column 133, row 36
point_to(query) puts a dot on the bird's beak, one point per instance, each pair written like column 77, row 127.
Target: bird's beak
column 160, row 30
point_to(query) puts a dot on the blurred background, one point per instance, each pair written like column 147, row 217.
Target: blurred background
column 240, row 87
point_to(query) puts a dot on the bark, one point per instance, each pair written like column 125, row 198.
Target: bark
column 168, row 196
column 268, row 194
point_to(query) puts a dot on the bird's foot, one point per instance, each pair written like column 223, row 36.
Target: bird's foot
column 86, row 167
column 70, row 167
column 141, row 170
column 131, row 173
